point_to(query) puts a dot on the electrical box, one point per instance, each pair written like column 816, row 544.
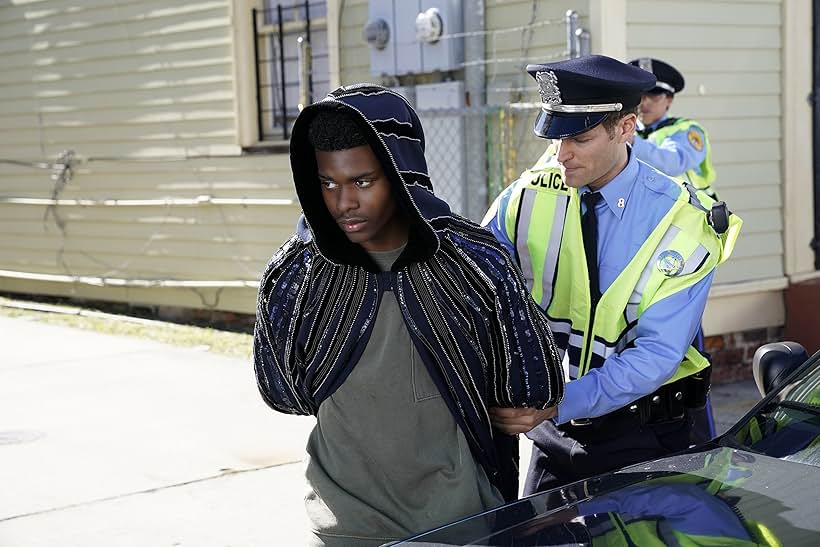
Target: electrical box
column 411, row 36
column 408, row 48
column 446, row 54
column 380, row 35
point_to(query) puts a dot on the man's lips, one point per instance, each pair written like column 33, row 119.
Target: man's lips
column 350, row 225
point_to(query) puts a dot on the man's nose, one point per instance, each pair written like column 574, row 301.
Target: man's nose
column 348, row 198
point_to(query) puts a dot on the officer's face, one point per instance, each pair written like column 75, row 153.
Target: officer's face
column 594, row 157
column 359, row 197
column 653, row 107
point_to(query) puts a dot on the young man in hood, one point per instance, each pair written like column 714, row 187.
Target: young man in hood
column 400, row 326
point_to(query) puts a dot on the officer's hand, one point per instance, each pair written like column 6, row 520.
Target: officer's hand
column 519, row 420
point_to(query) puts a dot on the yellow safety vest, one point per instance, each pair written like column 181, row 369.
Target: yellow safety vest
column 543, row 223
column 701, row 178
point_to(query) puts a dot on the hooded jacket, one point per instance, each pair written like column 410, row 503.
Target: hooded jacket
column 482, row 338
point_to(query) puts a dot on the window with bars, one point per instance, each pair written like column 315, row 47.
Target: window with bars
column 291, row 62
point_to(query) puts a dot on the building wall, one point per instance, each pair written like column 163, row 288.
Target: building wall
column 143, row 93
column 730, row 54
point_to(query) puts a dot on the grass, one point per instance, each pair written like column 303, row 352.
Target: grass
column 232, row 344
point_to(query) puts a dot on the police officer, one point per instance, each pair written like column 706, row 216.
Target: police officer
column 678, row 147
column 621, row 258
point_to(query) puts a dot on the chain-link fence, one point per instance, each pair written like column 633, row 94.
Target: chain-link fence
column 470, row 178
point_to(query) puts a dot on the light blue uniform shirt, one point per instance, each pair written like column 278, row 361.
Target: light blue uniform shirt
column 633, row 205
column 675, row 155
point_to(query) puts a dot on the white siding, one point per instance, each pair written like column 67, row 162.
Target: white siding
column 729, row 53
column 143, row 92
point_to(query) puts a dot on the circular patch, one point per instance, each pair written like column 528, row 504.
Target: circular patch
column 670, row 263
column 695, row 140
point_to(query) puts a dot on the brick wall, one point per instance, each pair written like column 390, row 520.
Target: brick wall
column 732, row 353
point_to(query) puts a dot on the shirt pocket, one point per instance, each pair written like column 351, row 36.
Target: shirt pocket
column 424, row 388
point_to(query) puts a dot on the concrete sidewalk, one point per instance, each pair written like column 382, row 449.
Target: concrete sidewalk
column 109, row 440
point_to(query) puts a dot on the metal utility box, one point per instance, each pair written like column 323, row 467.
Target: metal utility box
column 414, row 36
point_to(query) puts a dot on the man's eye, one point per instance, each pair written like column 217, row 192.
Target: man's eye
column 329, row 184
column 362, row 183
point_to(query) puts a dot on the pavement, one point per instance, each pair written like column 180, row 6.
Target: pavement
column 108, row 440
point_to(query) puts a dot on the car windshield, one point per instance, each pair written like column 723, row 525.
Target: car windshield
column 788, row 426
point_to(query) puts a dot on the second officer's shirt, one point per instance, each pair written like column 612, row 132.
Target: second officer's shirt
column 676, row 154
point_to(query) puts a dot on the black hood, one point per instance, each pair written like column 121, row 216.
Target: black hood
column 394, row 132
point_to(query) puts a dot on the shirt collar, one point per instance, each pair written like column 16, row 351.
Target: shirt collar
column 616, row 192
column 658, row 121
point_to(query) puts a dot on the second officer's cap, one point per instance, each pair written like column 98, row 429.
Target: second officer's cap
column 670, row 80
column 576, row 95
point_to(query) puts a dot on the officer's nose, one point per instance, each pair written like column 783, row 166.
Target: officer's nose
column 564, row 151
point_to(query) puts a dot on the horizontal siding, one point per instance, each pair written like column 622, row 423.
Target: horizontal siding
column 143, row 92
column 99, row 69
column 729, row 53
column 230, row 299
column 165, row 242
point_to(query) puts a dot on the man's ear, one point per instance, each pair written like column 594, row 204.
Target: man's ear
column 627, row 126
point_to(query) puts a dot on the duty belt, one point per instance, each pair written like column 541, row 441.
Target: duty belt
column 665, row 405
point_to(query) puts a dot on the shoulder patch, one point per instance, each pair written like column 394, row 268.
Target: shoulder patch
column 695, row 139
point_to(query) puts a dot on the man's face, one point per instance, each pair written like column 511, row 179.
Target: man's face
column 358, row 196
column 653, row 107
column 594, row 157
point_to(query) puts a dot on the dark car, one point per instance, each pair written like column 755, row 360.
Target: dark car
column 757, row 484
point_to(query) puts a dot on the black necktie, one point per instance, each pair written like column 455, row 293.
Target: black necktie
column 589, row 230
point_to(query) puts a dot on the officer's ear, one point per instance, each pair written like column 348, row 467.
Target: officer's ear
column 626, row 127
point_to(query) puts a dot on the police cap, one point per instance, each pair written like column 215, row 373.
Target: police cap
column 669, row 79
column 576, row 95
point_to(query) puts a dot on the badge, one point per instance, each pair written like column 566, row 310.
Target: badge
column 646, row 64
column 548, row 87
column 695, row 140
column 670, row 263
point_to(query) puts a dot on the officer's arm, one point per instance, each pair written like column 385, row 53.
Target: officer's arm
column 664, row 333
column 675, row 155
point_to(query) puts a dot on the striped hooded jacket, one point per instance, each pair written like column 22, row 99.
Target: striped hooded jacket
column 469, row 314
